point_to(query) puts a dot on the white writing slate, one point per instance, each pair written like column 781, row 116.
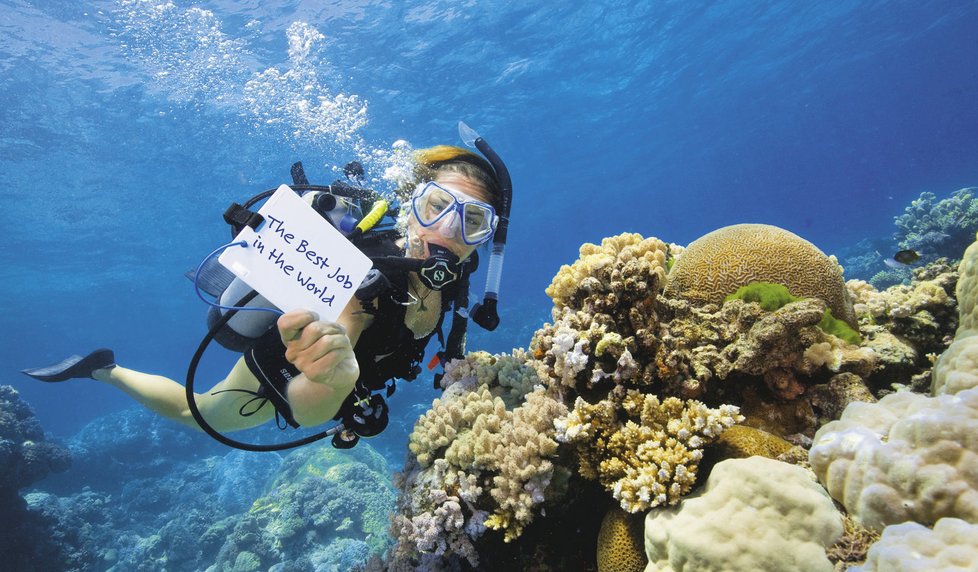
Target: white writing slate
column 297, row 259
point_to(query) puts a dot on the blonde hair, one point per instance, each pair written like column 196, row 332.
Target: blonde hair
column 450, row 159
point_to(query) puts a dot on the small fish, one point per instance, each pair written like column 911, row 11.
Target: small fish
column 906, row 256
column 893, row 262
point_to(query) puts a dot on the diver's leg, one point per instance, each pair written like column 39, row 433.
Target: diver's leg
column 221, row 409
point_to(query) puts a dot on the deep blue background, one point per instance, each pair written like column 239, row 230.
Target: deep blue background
column 125, row 130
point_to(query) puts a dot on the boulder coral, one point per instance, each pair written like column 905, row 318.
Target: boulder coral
column 912, row 547
column 956, row 369
column 907, row 457
column 621, row 543
column 766, row 499
column 643, row 450
column 911, row 456
column 718, row 263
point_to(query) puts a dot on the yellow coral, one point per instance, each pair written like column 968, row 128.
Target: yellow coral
column 651, row 458
column 609, row 267
column 718, row 263
column 621, row 543
column 741, row 441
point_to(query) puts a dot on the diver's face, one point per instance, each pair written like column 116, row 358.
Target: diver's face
column 446, row 232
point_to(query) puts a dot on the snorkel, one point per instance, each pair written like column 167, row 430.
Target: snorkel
column 485, row 313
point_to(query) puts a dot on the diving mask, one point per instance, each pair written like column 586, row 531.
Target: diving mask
column 433, row 203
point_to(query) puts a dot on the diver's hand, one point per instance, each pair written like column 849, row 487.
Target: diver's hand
column 321, row 350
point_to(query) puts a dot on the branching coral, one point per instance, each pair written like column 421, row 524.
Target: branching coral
column 651, row 458
column 604, row 314
column 476, row 465
column 510, row 374
column 939, row 228
column 623, row 266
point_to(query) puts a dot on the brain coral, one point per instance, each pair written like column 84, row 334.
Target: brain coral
column 621, row 543
column 753, row 514
column 716, row 264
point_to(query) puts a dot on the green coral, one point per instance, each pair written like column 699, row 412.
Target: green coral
column 772, row 297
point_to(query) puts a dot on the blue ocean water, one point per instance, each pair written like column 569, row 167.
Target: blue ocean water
column 128, row 126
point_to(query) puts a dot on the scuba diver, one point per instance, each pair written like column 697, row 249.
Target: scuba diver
column 312, row 371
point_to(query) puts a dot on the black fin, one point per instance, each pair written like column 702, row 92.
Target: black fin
column 73, row 367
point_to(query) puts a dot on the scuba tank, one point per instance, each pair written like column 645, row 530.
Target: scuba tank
column 341, row 204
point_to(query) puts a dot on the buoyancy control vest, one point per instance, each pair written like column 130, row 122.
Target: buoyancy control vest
column 386, row 351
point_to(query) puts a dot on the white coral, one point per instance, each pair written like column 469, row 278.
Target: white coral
column 753, row 514
column 907, row 457
column 912, row 547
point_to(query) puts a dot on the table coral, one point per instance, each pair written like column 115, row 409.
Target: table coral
column 651, row 457
column 753, row 514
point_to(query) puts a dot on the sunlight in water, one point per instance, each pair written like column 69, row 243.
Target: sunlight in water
column 193, row 62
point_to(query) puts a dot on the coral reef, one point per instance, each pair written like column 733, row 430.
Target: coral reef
column 621, row 543
column 650, row 371
column 316, row 509
column 907, row 457
column 955, row 369
column 775, row 501
column 650, row 456
column 325, row 507
column 474, row 465
column 938, row 228
column 912, row 547
column 26, row 456
column 717, row 264
column 910, row 456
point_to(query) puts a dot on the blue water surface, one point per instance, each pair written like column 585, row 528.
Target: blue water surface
column 128, row 126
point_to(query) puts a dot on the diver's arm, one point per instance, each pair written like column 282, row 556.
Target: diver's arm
column 323, row 352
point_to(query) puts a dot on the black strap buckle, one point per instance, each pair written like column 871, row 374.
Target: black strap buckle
column 240, row 217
